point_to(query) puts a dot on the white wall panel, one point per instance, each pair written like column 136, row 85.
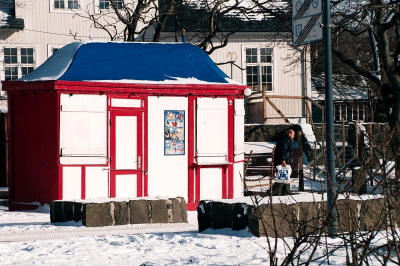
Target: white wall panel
column 238, row 187
column 116, row 102
column 210, row 183
column 212, row 129
column 96, row 184
column 167, row 174
column 83, row 126
column 72, row 183
column 239, row 126
column 126, row 142
column 126, row 186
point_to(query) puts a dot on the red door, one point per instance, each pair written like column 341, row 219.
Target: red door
column 126, row 150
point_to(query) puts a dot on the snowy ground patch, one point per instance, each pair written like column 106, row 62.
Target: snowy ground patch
column 28, row 238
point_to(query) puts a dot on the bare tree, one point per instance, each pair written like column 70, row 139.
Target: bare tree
column 366, row 42
column 125, row 20
column 209, row 23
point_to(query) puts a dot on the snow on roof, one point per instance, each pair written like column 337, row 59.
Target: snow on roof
column 3, row 18
column 245, row 9
column 308, row 133
column 341, row 89
column 54, row 67
column 6, row 10
column 153, row 63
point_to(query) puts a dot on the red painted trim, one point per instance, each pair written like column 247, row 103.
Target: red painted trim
column 211, row 165
column 139, row 184
column 144, row 89
column 191, row 147
column 60, row 183
column 231, row 145
column 145, row 150
column 192, row 206
column 108, row 137
column 197, row 184
column 83, row 182
column 22, row 85
column 126, row 96
column 126, row 109
column 10, row 149
column 81, row 165
column 224, row 185
column 140, row 85
column 23, row 206
column 113, row 170
column 112, row 155
column 60, row 175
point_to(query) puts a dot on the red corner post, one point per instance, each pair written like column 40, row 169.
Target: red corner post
column 191, row 205
column 231, row 143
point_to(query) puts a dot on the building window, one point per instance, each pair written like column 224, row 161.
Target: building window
column 18, row 62
column 59, row 4
column 10, row 55
column 105, row 4
column 11, row 73
column 27, row 55
column 350, row 112
column 259, row 68
column 73, row 4
column 54, row 50
column 26, row 70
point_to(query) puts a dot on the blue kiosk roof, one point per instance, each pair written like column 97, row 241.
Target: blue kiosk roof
column 155, row 63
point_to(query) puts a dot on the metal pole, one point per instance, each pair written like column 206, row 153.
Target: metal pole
column 331, row 182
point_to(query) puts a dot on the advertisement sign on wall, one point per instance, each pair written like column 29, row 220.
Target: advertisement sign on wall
column 174, row 132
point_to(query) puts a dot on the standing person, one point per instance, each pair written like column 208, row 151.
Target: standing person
column 283, row 156
column 283, row 151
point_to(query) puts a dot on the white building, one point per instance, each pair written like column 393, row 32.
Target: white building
column 32, row 30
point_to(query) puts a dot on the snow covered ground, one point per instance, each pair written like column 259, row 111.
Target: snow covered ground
column 28, row 238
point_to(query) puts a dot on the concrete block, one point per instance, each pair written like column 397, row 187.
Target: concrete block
column 97, row 214
column 139, row 211
column 183, row 209
column 311, row 217
column 159, row 212
column 274, row 220
column 348, row 214
column 393, row 206
column 359, row 181
column 373, row 214
column 176, row 211
column 121, row 212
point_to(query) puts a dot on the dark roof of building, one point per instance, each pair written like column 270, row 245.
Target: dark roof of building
column 195, row 19
column 7, row 16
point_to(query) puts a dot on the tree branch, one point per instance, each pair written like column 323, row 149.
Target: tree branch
column 356, row 67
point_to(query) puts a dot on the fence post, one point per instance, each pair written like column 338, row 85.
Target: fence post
column 344, row 141
column 300, row 160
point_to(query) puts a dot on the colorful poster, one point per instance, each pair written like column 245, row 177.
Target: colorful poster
column 174, row 132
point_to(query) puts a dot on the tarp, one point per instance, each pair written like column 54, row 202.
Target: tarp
column 130, row 63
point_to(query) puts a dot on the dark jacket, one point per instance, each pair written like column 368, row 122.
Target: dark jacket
column 283, row 151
